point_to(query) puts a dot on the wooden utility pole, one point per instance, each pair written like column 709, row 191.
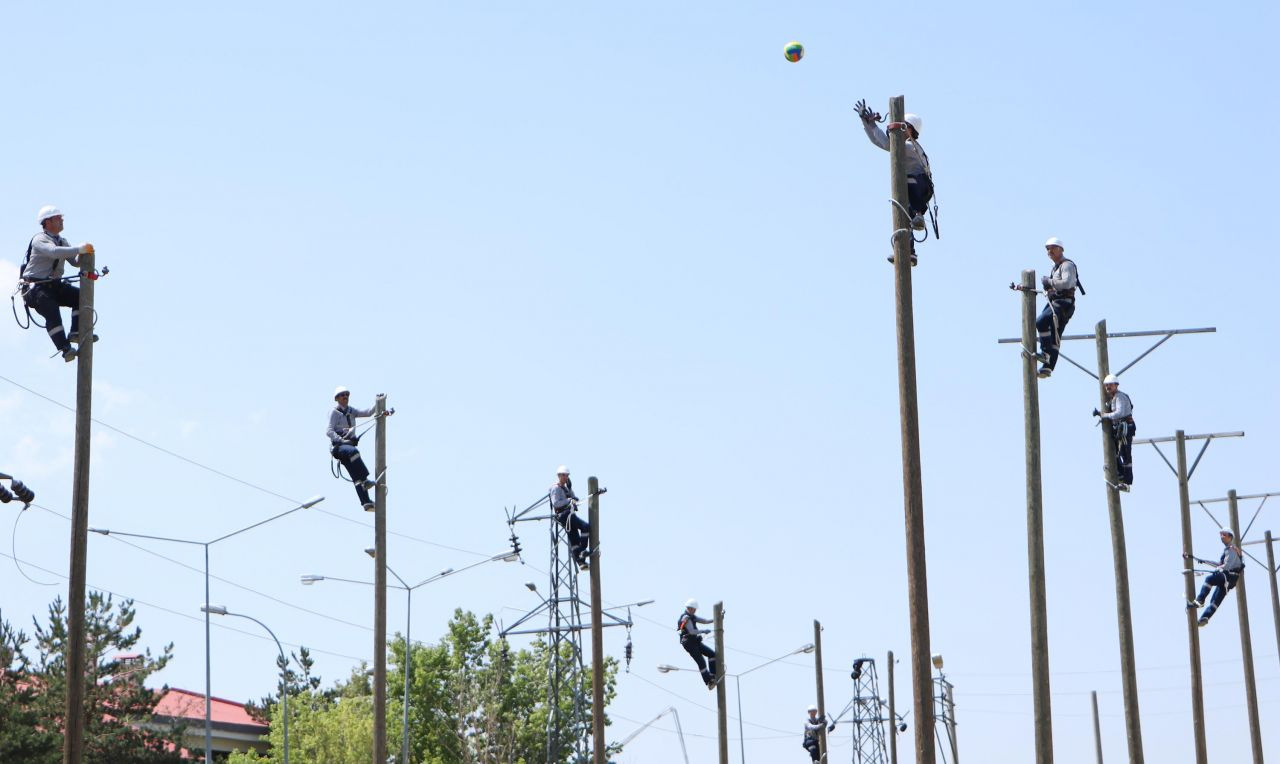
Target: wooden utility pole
column 1042, row 711
column 380, row 586
column 912, row 484
column 597, row 626
column 722, row 708
column 1246, row 640
column 822, row 702
column 893, row 717
column 73, row 742
column 1189, row 593
column 1097, row 727
column 1275, row 595
column 1124, row 615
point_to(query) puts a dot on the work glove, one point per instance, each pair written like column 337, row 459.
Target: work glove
column 704, row 631
column 1097, row 413
column 86, row 248
column 865, row 112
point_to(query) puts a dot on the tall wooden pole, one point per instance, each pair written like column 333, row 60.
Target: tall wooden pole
column 1189, row 591
column 912, row 487
column 722, row 708
column 1042, row 711
column 1246, row 641
column 73, row 743
column 1124, row 614
column 822, row 700
column 1275, row 595
column 380, row 586
column 597, row 626
column 893, row 717
column 1097, row 727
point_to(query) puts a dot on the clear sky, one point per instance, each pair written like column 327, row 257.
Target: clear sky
column 634, row 239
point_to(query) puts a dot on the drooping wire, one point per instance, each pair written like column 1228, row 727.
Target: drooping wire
column 13, row 547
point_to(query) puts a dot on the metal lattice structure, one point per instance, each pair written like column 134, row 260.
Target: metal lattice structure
column 869, row 715
column 944, row 716
column 568, row 679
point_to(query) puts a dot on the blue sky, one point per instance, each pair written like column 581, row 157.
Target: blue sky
column 636, row 240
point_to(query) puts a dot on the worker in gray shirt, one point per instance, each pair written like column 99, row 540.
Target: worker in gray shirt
column 1119, row 414
column 564, row 503
column 919, row 177
column 344, row 439
column 1223, row 579
column 1060, row 290
column 42, row 286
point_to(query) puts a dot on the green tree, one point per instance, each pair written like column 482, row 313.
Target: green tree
column 118, row 723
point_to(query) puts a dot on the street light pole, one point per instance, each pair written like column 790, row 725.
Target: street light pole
column 284, row 666
column 208, row 670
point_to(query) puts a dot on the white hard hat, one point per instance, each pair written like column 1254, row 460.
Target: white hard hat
column 691, row 604
column 562, row 470
column 915, row 121
column 1054, row 241
column 340, row 390
column 812, row 708
column 46, row 212
column 1227, row 532
column 1111, row 379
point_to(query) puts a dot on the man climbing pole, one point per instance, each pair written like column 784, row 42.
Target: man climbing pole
column 691, row 641
column 1119, row 413
column 344, row 439
column 1223, row 579
column 919, row 175
column 42, row 286
column 1060, row 290
column 564, row 503
column 812, row 731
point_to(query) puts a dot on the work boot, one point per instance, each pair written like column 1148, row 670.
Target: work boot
column 68, row 354
column 74, row 338
column 917, row 222
column 1193, row 604
column 1044, row 372
column 913, row 259
column 1204, row 620
column 370, row 506
column 1123, row 487
column 369, row 485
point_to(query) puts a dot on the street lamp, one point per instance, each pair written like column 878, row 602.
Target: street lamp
column 284, row 667
column 737, row 683
column 309, row 580
column 208, row 671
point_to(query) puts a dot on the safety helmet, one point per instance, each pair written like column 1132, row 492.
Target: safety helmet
column 1110, row 379
column 915, row 121
column 812, row 708
column 691, row 604
column 46, row 212
column 340, row 390
column 1054, row 241
column 562, row 470
column 1227, row 532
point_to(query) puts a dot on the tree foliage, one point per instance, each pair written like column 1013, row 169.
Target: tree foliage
column 118, row 724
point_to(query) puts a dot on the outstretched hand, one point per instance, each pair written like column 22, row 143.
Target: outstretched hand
column 865, row 112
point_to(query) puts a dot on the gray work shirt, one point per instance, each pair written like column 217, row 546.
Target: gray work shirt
column 689, row 624
column 916, row 161
column 1119, row 407
column 1063, row 277
column 342, row 422
column 1230, row 560
column 48, row 252
column 561, row 497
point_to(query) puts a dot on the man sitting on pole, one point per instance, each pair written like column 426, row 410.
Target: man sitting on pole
column 344, row 439
column 691, row 641
column 1223, row 579
column 1119, row 413
column 564, row 503
column 1060, row 290
column 812, row 730
column 43, row 287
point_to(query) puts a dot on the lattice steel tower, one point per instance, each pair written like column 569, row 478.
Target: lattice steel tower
column 868, row 715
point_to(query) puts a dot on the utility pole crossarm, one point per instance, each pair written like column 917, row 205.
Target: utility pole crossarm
column 1119, row 335
column 1207, row 438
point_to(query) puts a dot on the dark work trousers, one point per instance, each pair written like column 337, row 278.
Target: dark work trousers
column 577, row 528
column 919, row 192
column 47, row 299
column 1221, row 583
column 1123, row 433
column 811, row 745
column 1049, row 336
column 697, row 650
column 350, row 458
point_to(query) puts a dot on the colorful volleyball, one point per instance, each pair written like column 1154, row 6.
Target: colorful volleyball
column 794, row 51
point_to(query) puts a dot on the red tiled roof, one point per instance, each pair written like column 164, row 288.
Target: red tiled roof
column 185, row 704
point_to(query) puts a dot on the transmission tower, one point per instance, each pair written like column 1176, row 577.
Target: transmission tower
column 568, row 680
column 868, row 714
